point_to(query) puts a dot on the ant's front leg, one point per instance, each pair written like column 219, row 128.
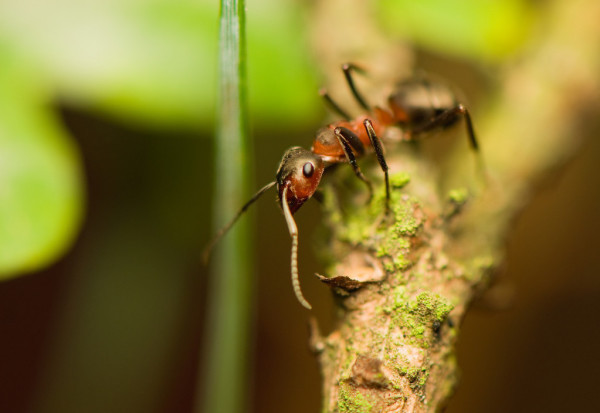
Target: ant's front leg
column 348, row 140
column 376, row 143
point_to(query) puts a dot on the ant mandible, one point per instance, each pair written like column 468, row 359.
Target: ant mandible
column 417, row 105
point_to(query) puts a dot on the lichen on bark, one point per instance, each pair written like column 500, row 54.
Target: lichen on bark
column 399, row 325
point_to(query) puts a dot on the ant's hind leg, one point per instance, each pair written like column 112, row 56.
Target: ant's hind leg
column 480, row 164
column 333, row 105
column 470, row 130
column 376, row 143
column 445, row 117
column 348, row 68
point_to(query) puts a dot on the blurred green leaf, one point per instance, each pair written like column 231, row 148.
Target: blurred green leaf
column 40, row 177
column 154, row 62
column 150, row 61
column 481, row 29
column 282, row 85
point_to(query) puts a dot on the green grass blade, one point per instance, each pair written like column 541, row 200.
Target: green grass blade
column 225, row 363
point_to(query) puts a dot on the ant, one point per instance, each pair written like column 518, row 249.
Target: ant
column 416, row 106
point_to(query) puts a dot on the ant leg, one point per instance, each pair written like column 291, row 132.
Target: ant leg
column 444, row 117
column 332, row 105
column 293, row 230
column 345, row 138
column 470, row 130
column 376, row 142
column 347, row 68
column 353, row 140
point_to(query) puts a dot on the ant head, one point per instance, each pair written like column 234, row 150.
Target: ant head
column 300, row 170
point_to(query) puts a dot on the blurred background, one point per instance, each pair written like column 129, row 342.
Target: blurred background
column 106, row 174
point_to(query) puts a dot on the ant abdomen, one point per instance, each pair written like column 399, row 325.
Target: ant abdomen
column 420, row 104
column 416, row 102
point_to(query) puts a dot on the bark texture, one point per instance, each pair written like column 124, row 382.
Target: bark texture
column 404, row 281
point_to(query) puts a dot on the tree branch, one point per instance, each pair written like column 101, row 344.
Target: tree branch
column 404, row 282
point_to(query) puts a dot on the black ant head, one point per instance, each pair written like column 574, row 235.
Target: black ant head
column 300, row 171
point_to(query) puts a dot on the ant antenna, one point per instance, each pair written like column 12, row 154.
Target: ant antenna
column 347, row 68
column 223, row 231
column 293, row 229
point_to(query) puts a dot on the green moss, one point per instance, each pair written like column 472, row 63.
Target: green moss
column 399, row 296
column 416, row 317
column 458, row 196
column 417, row 376
column 399, row 180
column 330, row 205
column 350, row 400
column 412, row 373
column 480, row 268
column 394, row 239
column 423, row 377
column 429, row 305
column 367, row 225
column 389, row 266
column 401, row 262
column 405, row 223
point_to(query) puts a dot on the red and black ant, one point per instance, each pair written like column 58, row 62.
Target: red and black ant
column 417, row 105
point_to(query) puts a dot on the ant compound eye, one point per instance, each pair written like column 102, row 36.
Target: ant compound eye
column 308, row 169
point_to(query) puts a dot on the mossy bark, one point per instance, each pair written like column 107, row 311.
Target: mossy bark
column 404, row 280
